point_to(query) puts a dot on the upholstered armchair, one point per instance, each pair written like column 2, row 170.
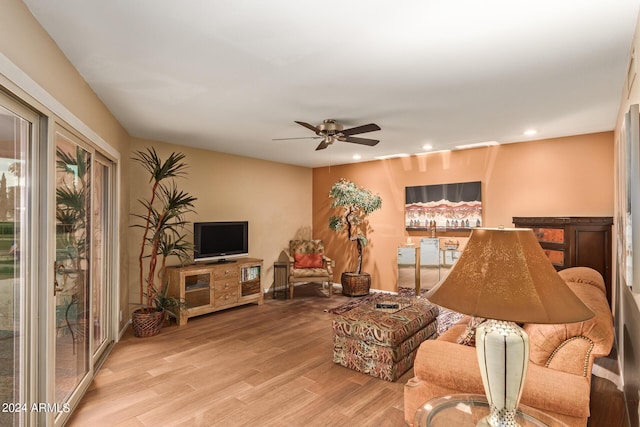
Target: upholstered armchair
column 307, row 263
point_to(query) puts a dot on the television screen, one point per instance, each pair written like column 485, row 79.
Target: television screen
column 217, row 241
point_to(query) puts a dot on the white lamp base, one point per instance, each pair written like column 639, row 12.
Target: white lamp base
column 503, row 356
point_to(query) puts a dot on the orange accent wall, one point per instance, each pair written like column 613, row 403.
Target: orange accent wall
column 570, row 176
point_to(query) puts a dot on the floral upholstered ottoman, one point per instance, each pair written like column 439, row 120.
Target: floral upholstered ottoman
column 382, row 341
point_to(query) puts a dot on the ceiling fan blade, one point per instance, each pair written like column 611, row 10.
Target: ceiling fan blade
column 324, row 144
column 308, row 126
column 363, row 141
column 300, row 137
column 361, row 129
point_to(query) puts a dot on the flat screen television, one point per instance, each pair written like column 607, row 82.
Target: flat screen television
column 217, row 241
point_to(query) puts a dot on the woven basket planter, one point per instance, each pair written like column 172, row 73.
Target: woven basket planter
column 147, row 324
column 355, row 285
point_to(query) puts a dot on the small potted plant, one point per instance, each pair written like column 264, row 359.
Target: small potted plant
column 163, row 226
column 355, row 204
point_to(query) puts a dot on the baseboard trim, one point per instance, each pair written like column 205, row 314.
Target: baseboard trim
column 123, row 330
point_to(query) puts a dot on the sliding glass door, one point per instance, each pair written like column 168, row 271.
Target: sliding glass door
column 82, row 256
column 56, row 258
column 72, row 265
column 101, row 306
column 17, row 134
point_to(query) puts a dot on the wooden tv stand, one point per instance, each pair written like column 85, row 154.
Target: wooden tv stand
column 211, row 287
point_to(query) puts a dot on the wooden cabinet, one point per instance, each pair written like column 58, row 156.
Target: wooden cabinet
column 575, row 241
column 211, row 287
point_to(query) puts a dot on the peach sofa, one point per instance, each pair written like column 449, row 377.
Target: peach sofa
column 561, row 357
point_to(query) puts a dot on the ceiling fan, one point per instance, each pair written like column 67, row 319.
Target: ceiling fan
column 330, row 131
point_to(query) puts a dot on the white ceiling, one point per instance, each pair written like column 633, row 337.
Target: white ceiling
column 230, row 76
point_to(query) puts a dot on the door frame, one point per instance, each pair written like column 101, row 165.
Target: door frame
column 18, row 86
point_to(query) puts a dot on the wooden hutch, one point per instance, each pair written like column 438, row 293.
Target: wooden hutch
column 575, row 241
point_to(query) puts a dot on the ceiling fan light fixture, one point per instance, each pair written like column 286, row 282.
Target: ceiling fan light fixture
column 329, row 127
column 330, row 131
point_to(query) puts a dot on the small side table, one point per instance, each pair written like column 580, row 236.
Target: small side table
column 280, row 278
column 468, row 409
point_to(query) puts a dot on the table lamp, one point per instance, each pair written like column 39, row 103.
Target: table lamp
column 503, row 275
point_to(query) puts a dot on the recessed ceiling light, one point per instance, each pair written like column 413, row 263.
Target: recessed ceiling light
column 357, row 157
column 427, row 147
column 530, row 132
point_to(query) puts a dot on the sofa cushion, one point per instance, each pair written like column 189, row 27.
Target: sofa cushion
column 310, row 272
column 585, row 275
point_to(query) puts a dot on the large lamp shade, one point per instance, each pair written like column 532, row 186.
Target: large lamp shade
column 504, row 276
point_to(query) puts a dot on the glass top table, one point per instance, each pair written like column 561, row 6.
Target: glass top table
column 469, row 409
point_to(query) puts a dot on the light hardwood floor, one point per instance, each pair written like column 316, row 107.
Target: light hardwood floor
column 268, row 365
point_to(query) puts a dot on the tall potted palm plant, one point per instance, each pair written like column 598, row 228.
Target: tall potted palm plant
column 355, row 204
column 163, row 226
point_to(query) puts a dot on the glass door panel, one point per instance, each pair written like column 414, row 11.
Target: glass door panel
column 72, row 266
column 197, row 290
column 15, row 139
column 549, row 235
column 99, row 276
column 555, row 256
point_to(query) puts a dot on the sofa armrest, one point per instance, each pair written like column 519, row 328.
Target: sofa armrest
column 328, row 263
column 570, row 396
column 450, row 365
column 455, row 366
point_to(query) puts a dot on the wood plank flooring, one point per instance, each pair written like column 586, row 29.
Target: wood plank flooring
column 268, row 365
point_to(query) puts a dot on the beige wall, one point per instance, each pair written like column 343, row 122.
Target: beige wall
column 570, row 176
column 29, row 47
column 627, row 307
column 25, row 44
column 275, row 198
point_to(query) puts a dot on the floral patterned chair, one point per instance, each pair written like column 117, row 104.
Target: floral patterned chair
column 307, row 263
